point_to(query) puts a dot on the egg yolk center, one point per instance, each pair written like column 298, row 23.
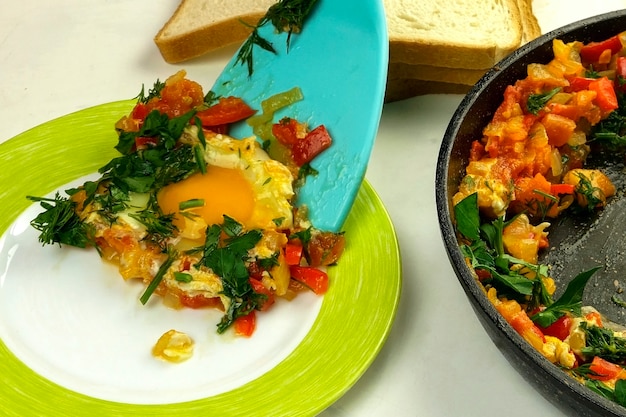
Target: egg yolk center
column 225, row 191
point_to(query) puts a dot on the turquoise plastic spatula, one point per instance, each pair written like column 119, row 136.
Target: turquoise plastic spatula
column 339, row 61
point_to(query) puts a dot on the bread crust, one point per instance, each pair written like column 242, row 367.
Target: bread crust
column 400, row 70
column 530, row 24
column 198, row 42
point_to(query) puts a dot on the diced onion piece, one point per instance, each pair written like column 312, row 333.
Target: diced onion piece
column 556, row 162
column 578, row 138
column 173, row 346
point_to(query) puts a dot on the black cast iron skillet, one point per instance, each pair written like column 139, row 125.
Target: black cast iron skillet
column 577, row 243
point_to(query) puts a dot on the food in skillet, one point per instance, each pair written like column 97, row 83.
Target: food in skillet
column 528, row 168
column 203, row 219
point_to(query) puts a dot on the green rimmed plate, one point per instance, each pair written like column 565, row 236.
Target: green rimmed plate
column 353, row 323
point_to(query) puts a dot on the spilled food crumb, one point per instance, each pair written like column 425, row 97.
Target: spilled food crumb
column 173, row 346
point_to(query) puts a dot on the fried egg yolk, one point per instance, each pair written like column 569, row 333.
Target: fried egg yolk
column 224, row 191
column 241, row 182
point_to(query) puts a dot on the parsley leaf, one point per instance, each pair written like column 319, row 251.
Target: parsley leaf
column 611, row 131
column 536, row 102
column 227, row 258
column 485, row 251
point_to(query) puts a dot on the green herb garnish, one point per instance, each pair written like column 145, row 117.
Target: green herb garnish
column 569, row 302
column 602, row 342
column 227, row 258
column 155, row 91
column 59, row 223
column 536, row 102
column 485, row 251
column 183, row 277
column 193, row 203
column 165, row 266
column 286, row 16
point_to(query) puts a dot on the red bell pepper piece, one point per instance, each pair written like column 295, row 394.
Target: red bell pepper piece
column 286, row 131
column 579, row 83
column 557, row 189
column 227, row 110
column 304, row 150
column 604, row 370
column 245, row 325
column 591, row 52
column 315, row 279
column 620, row 74
column 606, row 97
column 528, row 330
column 293, row 253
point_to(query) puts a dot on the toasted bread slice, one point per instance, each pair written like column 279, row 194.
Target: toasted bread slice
column 200, row 26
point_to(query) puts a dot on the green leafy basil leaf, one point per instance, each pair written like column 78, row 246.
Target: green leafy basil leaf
column 570, row 301
column 467, row 217
column 620, row 392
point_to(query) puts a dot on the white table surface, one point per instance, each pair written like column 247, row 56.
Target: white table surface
column 60, row 56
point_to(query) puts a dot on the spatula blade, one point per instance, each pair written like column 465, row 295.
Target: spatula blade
column 339, row 61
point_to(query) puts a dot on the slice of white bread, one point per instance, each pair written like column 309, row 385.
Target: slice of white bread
column 435, row 47
column 408, row 80
column 400, row 70
column 200, row 26
column 469, row 34
column 530, row 25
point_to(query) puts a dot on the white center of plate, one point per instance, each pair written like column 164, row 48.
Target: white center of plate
column 72, row 319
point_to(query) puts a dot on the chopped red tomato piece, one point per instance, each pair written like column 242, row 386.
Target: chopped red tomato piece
column 315, row 279
column 259, row 288
column 560, row 328
column 226, row 110
column 245, row 325
column 140, row 111
column 483, row 274
column 293, row 253
column 592, row 51
column 606, row 97
column 142, row 142
column 604, row 370
column 199, row 301
column 594, row 317
column 325, row 248
column 304, row 150
column 477, row 151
